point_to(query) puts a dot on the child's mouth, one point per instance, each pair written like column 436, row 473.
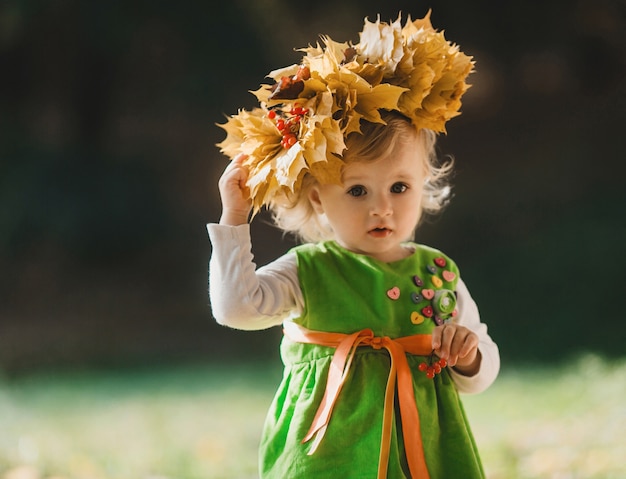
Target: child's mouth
column 380, row 232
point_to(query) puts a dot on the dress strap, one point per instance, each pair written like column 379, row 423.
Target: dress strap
column 399, row 374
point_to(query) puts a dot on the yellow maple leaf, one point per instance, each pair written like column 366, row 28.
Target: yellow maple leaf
column 383, row 96
column 382, row 44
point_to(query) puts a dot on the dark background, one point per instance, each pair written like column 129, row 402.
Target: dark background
column 108, row 171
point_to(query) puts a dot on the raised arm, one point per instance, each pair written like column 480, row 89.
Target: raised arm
column 241, row 296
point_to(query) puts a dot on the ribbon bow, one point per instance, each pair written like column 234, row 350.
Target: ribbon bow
column 399, row 373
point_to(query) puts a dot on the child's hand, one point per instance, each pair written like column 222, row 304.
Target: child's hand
column 236, row 204
column 459, row 346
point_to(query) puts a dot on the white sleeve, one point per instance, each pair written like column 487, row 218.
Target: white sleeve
column 242, row 296
column 469, row 317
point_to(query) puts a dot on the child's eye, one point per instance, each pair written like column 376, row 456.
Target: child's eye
column 399, row 188
column 357, row 191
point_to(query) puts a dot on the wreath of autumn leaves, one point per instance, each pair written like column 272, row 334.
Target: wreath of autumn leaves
column 304, row 117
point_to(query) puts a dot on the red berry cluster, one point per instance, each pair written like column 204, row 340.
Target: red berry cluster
column 289, row 127
column 433, row 366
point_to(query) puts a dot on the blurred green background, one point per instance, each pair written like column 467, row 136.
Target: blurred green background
column 108, row 171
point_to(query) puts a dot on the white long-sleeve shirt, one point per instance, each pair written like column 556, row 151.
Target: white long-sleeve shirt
column 247, row 298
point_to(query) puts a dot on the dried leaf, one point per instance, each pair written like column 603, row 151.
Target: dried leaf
column 411, row 69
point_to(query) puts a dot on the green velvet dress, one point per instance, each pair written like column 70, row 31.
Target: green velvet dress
column 346, row 292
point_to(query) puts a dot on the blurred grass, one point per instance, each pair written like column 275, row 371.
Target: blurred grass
column 204, row 422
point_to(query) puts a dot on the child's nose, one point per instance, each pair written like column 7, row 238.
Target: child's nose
column 381, row 206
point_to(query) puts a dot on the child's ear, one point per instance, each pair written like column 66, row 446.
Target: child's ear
column 314, row 199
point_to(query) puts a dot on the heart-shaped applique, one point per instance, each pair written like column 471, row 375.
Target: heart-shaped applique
column 416, row 318
column 441, row 262
column 418, row 281
column 436, row 280
column 428, row 293
column 428, row 311
column 448, row 275
column 394, row 293
column 431, row 269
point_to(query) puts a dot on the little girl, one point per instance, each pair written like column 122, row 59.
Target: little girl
column 380, row 333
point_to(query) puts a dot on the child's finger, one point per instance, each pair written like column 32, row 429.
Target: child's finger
column 469, row 345
column 232, row 176
column 442, row 340
column 236, row 162
column 239, row 158
column 436, row 338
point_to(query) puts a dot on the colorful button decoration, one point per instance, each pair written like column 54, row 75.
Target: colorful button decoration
column 432, row 301
column 449, row 276
column 441, row 262
column 417, row 318
column 428, row 293
column 394, row 293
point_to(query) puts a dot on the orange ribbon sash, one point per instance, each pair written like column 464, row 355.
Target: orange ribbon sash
column 399, row 374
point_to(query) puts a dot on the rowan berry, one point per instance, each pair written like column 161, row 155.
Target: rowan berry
column 432, row 365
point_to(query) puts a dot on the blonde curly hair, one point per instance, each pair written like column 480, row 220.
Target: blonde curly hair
column 295, row 214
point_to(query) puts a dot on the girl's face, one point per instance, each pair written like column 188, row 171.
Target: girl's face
column 379, row 204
